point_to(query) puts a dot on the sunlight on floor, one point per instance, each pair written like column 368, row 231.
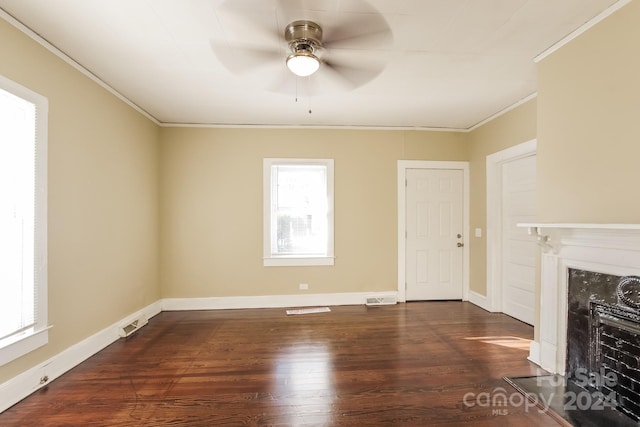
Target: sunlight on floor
column 304, row 379
column 511, row 342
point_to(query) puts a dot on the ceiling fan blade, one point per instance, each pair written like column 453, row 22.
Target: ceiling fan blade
column 285, row 83
column 350, row 73
column 358, row 31
column 247, row 18
column 240, row 58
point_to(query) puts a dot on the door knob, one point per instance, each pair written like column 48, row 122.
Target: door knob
column 459, row 235
column 460, row 244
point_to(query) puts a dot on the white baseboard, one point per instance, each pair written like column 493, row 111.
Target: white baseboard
column 479, row 300
column 22, row 385
column 271, row 301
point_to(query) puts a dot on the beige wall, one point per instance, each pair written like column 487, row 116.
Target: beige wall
column 103, row 201
column 515, row 127
column 588, row 133
column 211, row 183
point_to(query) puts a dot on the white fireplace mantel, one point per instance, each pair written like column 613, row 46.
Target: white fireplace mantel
column 603, row 248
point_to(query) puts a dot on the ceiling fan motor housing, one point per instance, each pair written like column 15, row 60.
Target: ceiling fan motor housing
column 303, row 36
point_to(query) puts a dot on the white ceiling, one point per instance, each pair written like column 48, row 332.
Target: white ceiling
column 445, row 64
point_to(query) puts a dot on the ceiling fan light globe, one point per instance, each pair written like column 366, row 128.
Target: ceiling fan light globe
column 303, row 64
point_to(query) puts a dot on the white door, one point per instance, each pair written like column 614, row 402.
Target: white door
column 434, row 209
column 519, row 250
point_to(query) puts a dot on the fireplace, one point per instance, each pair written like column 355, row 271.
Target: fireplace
column 611, row 249
column 588, row 329
column 603, row 337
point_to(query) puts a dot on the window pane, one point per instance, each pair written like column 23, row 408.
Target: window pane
column 300, row 209
column 17, row 209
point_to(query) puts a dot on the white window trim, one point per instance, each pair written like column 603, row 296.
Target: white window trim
column 38, row 336
column 269, row 260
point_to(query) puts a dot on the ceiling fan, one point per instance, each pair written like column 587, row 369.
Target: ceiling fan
column 305, row 39
column 331, row 49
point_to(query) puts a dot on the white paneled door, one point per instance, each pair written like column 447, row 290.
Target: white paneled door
column 519, row 250
column 434, row 220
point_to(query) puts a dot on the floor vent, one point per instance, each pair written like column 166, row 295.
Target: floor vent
column 132, row 327
column 388, row 300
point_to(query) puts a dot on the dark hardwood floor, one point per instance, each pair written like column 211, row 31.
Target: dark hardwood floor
column 414, row 364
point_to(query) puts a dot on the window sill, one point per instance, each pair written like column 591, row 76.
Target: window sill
column 297, row 261
column 12, row 348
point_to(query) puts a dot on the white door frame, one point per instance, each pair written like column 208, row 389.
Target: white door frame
column 494, row 218
column 403, row 165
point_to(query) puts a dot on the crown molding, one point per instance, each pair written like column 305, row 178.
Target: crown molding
column 584, row 28
column 70, row 61
column 330, row 127
column 503, row 112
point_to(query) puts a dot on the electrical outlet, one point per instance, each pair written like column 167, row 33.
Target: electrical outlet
column 303, row 286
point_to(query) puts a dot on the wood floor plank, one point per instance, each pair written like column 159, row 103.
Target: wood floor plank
column 413, row 364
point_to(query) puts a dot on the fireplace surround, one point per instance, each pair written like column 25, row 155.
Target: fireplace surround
column 589, row 320
column 610, row 249
column 599, row 348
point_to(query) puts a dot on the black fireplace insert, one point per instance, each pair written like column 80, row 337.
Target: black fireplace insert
column 603, row 338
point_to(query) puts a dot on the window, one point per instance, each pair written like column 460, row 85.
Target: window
column 23, row 221
column 298, row 212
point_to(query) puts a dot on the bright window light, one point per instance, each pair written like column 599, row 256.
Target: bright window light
column 23, row 221
column 298, row 212
column 17, row 208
